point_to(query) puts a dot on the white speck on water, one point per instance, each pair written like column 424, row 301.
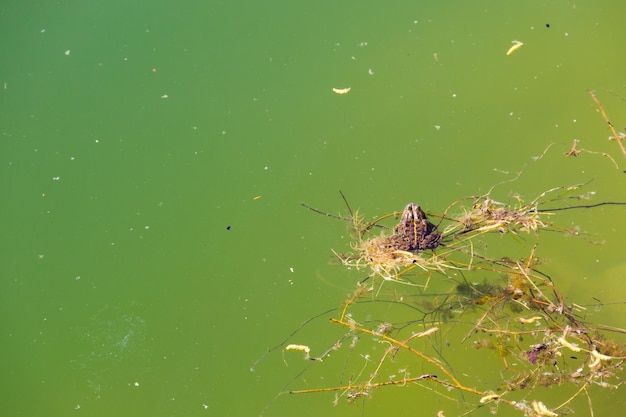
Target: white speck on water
column 56, row 178
column 437, row 127
column 68, row 52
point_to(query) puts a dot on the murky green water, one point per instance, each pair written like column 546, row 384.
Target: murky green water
column 154, row 158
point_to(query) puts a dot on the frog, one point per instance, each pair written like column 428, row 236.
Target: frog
column 414, row 232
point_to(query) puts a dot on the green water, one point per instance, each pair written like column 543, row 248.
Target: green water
column 140, row 276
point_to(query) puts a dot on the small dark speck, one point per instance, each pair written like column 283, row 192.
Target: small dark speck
column 227, row 227
column 548, row 25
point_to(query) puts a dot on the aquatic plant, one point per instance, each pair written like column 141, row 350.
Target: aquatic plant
column 441, row 289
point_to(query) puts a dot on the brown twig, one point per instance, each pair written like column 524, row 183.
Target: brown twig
column 617, row 137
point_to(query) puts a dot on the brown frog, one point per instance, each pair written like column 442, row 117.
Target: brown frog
column 415, row 232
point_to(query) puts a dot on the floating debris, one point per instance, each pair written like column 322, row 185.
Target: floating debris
column 342, row 90
column 515, row 47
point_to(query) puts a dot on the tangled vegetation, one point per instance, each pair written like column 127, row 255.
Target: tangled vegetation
column 439, row 288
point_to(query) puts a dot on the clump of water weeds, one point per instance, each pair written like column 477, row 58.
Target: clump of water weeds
column 507, row 309
column 514, row 310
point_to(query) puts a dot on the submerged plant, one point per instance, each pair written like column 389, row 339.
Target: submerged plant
column 504, row 306
column 516, row 311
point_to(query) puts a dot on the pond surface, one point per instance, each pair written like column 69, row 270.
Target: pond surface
column 155, row 157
